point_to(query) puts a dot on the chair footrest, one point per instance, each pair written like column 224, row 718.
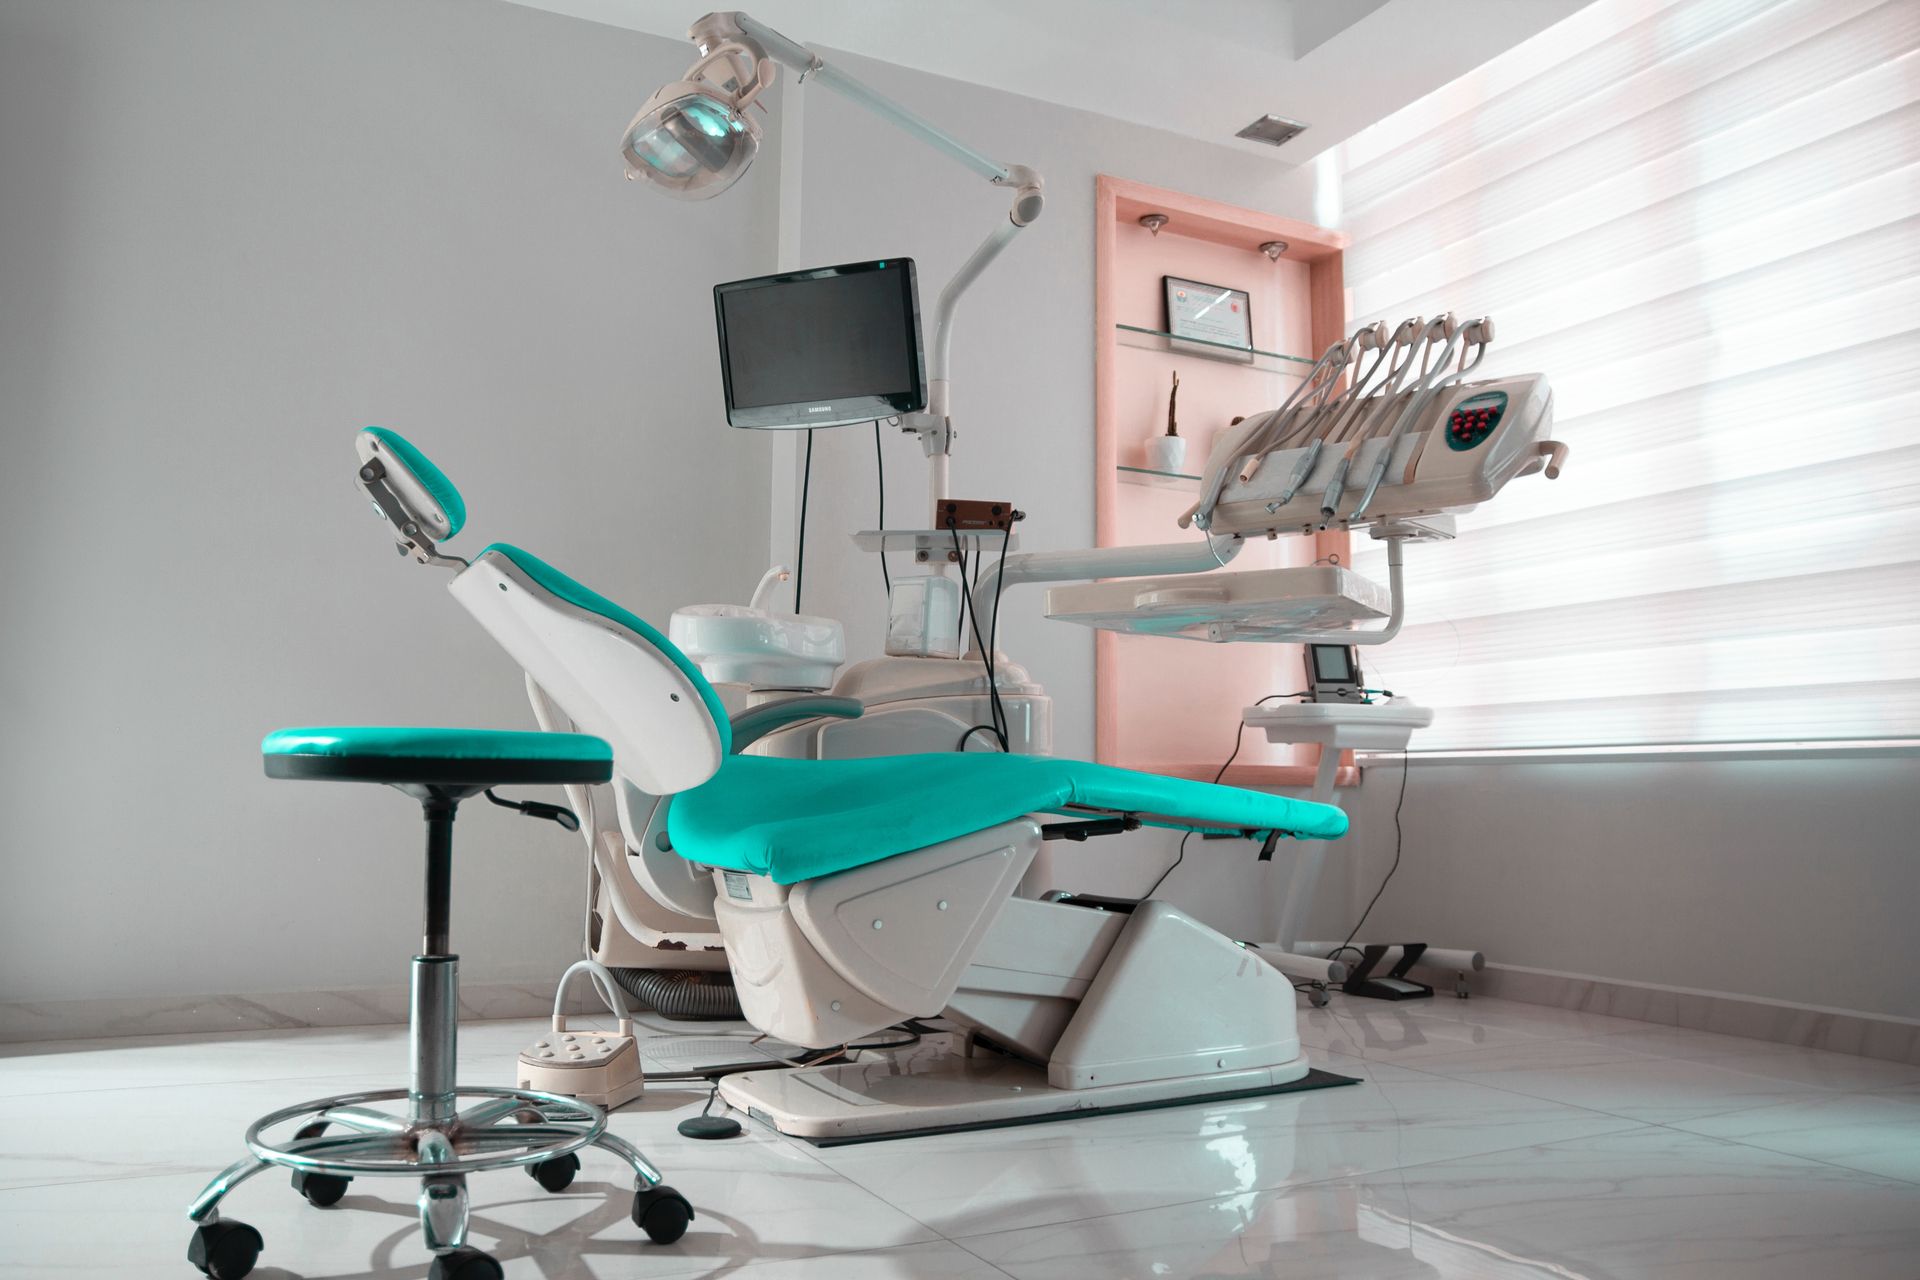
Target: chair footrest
column 489, row 1129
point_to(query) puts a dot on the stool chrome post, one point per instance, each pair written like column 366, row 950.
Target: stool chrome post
column 435, row 1039
column 435, row 1003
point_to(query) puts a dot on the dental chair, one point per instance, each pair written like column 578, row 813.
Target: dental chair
column 854, row 895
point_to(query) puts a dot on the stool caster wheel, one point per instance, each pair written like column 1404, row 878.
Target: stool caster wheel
column 320, row 1189
column 464, row 1264
column 225, row 1249
column 555, row 1174
column 662, row 1213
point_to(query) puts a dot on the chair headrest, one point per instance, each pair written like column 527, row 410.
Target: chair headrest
column 420, row 489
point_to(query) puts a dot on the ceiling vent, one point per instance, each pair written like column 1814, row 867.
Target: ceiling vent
column 1273, row 130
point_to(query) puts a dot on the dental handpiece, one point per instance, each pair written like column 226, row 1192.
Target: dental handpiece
column 1405, row 337
column 1341, row 410
column 1330, row 504
column 1413, row 330
column 1417, row 394
column 1250, row 446
column 1301, row 470
column 1298, row 421
column 1325, row 421
column 1478, row 332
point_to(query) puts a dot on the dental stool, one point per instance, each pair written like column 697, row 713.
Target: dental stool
column 433, row 1137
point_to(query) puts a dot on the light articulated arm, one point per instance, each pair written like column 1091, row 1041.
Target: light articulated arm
column 1028, row 200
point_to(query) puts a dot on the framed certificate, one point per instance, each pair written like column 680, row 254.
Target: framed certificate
column 1209, row 313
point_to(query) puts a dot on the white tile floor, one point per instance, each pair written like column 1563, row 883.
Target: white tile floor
column 1488, row 1140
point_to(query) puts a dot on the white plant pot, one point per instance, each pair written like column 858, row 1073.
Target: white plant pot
column 1166, row 453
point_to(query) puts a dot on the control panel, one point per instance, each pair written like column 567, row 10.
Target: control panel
column 1474, row 419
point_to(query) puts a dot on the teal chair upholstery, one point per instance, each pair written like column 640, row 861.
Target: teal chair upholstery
column 793, row 820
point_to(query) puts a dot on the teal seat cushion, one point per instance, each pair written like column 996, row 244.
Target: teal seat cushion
column 391, row 753
column 581, row 596
column 794, row 820
column 442, row 490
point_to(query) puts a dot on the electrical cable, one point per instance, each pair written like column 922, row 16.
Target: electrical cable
column 993, row 631
column 993, row 687
column 880, row 521
column 1179, row 858
column 1239, row 739
column 1405, row 765
column 800, row 549
column 995, row 709
column 812, row 1057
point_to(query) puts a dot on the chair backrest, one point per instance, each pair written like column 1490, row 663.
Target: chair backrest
column 612, row 674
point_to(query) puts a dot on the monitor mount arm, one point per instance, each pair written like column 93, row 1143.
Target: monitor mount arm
column 933, row 426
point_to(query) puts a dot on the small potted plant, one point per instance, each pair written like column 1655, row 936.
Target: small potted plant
column 1168, row 452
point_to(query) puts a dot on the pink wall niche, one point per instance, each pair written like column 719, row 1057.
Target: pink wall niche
column 1165, row 705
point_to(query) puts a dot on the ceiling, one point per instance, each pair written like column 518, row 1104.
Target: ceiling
column 1201, row 68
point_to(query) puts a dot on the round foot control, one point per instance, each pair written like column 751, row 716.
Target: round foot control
column 662, row 1213
column 709, row 1127
column 555, row 1174
column 225, row 1249
column 465, row 1263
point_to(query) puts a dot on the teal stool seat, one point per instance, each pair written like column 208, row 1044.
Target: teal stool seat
column 440, row 757
column 793, row 820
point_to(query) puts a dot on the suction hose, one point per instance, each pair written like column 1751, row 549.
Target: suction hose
column 682, row 993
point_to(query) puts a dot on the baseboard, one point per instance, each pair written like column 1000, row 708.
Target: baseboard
column 31, row 1020
column 1779, row 1022
column 1776, row 1021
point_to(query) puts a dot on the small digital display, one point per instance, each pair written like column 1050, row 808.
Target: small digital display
column 822, row 348
column 1333, row 664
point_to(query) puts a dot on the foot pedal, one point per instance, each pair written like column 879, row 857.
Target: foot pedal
column 1395, row 985
column 601, row 1067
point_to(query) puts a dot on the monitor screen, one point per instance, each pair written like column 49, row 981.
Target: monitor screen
column 1333, row 664
column 822, row 348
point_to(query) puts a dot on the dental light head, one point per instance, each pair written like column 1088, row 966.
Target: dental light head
column 694, row 138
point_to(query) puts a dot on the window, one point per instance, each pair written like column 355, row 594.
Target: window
column 1698, row 218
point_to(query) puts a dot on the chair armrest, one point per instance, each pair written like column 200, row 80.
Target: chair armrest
column 755, row 723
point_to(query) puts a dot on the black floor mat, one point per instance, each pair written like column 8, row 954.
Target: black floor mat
column 1314, row 1079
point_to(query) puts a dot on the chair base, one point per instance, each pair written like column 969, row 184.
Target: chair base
column 934, row 1090
column 501, row 1129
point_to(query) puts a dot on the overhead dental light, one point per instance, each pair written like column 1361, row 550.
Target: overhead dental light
column 694, row 138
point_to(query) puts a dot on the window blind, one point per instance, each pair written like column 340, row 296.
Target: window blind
column 1698, row 219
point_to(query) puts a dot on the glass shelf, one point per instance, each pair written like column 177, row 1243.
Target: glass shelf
column 926, row 541
column 1264, row 361
column 1157, row 479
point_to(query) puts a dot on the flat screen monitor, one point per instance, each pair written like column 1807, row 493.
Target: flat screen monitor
column 822, row 348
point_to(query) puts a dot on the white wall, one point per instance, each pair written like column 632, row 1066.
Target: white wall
column 1784, row 879
column 230, row 235
column 1022, row 386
